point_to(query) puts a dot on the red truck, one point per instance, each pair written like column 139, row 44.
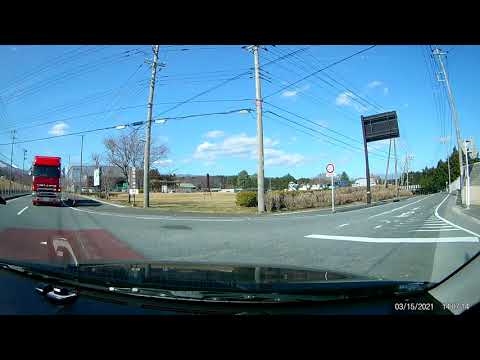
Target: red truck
column 46, row 187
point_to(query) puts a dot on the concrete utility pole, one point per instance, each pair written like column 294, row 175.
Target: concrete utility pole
column 11, row 162
column 258, row 97
column 367, row 167
column 23, row 165
column 148, row 131
column 439, row 54
column 467, row 188
column 444, row 141
column 81, row 166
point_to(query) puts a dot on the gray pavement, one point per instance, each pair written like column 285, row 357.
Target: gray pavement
column 421, row 238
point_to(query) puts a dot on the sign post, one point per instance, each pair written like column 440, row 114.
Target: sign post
column 331, row 173
column 377, row 127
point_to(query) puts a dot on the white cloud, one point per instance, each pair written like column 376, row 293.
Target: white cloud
column 165, row 162
column 163, row 139
column 405, row 105
column 13, row 48
column 186, row 161
column 292, row 93
column 59, row 129
column 373, row 84
column 346, row 99
column 385, row 91
column 243, row 146
column 214, row 134
column 289, row 93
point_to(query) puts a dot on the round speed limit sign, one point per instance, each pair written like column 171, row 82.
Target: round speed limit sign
column 330, row 168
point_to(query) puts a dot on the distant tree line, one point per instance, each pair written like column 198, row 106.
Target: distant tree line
column 434, row 179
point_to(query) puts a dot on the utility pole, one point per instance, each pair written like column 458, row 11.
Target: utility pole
column 11, row 162
column 467, row 187
column 23, row 165
column 388, row 163
column 439, row 54
column 258, row 100
column 444, row 141
column 81, row 166
column 148, row 131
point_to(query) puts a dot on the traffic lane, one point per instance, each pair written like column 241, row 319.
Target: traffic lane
column 253, row 242
column 56, row 235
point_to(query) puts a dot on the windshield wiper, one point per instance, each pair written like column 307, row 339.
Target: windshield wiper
column 193, row 282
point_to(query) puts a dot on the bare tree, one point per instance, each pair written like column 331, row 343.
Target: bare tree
column 96, row 159
column 127, row 151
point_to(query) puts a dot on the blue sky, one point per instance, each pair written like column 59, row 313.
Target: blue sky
column 94, row 79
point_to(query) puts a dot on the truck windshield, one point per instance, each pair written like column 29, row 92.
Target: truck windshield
column 48, row 171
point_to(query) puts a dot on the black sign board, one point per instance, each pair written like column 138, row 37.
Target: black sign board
column 380, row 126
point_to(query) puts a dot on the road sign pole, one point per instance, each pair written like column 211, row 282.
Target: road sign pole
column 367, row 169
column 333, row 196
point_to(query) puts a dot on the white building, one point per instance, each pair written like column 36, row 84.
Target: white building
column 292, row 186
column 363, row 182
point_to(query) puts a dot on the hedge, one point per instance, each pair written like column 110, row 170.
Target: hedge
column 246, row 199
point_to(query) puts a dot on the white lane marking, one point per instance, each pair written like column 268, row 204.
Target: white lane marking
column 43, row 243
column 449, row 222
column 436, row 226
column 21, row 211
column 393, row 240
column 401, row 207
column 343, row 225
column 439, row 230
column 103, row 202
column 387, row 221
column 378, row 226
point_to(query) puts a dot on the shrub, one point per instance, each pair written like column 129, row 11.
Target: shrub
column 246, row 199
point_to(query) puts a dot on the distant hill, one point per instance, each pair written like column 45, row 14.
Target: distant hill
column 5, row 170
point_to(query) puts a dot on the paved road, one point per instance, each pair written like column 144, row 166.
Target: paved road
column 422, row 238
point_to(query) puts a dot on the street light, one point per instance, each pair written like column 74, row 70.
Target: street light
column 160, row 121
column 120, row 127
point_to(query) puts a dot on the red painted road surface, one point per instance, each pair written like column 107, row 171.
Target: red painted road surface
column 63, row 246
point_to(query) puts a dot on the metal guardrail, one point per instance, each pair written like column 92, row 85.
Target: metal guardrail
column 7, row 190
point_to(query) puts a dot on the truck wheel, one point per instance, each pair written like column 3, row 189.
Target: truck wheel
column 34, row 203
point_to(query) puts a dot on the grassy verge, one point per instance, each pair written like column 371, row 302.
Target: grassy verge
column 219, row 203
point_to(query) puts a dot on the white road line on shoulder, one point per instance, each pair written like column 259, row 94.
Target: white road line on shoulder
column 393, row 240
column 157, row 217
column 21, row 211
column 401, row 207
column 435, row 230
column 449, row 222
column 343, row 225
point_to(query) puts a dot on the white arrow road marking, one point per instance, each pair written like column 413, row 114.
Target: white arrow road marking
column 401, row 207
column 63, row 242
column 393, row 240
column 405, row 214
column 21, row 211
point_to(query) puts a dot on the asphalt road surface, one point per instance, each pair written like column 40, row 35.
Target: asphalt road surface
column 423, row 238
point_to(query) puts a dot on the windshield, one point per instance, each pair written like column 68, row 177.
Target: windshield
column 47, row 171
column 353, row 160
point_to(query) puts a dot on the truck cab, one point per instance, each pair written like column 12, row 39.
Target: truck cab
column 46, row 187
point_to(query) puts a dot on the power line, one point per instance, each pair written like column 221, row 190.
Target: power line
column 77, row 117
column 356, row 96
column 133, row 124
column 319, row 132
column 81, row 69
column 226, row 82
column 322, row 69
